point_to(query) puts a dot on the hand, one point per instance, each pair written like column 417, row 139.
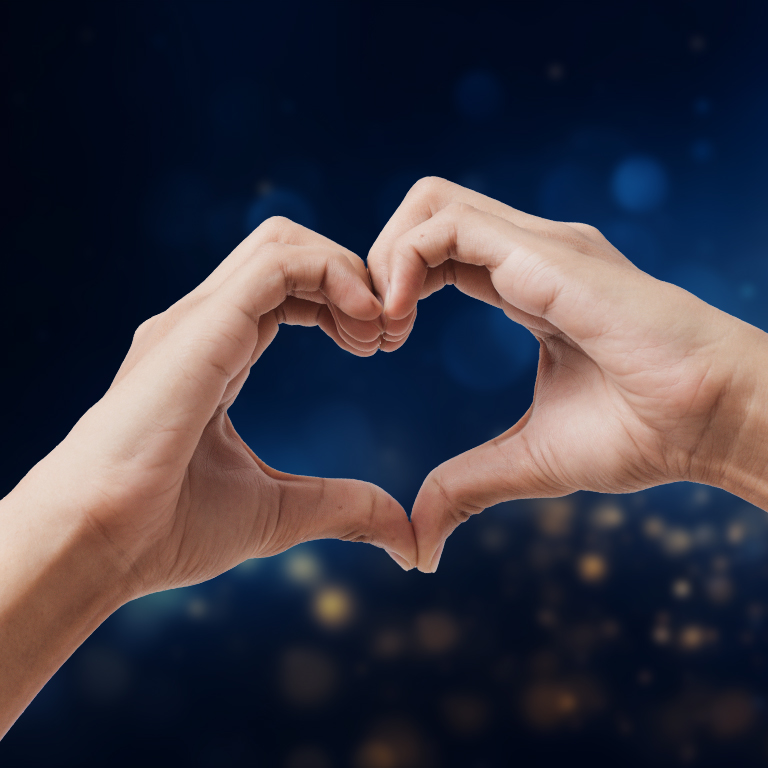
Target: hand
column 156, row 466
column 639, row 382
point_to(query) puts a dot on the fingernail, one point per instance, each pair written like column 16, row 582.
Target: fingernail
column 401, row 561
column 436, row 559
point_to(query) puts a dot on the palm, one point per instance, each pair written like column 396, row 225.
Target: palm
column 606, row 412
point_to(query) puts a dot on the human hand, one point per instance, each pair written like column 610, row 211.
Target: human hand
column 639, row 382
column 156, row 466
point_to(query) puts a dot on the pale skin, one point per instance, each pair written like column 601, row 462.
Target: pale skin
column 639, row 383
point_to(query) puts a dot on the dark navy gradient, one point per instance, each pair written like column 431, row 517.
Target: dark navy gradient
column 144, row 140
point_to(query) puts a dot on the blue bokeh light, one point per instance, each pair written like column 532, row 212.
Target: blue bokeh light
column 483, row 350
column 639, row 183
column 479, row 95
column 702, row 150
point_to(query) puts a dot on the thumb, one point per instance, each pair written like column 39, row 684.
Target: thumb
column 502, row 469
column 351, row 510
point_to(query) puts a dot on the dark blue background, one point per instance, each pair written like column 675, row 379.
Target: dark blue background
column 144, row 140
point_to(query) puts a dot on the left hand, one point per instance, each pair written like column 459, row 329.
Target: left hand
column 156, row 467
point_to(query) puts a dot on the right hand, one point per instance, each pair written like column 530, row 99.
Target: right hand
column 636, row 383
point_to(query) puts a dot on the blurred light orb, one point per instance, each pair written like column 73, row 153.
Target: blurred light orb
column 719, row 589
column 681, row 589
column 639, row 184
column 437, row 632
column 554, row 517
column 333, row 607
column 732, row 713
column 549, row 704
column 394, row 743
column 197, row 608
column 279, row 202
column 653, row 527
column 702, row 150
column 607, row 516
column 303, row 568
column 736, row 533
column 694, row 637
column 676, row 541
column 388, row 643
column 492, row 537
column 592, row 568
column 479, row 95
column 307, row 677
column 484, row 350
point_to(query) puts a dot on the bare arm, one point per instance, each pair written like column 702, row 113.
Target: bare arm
column 639, row 382
column 154, row 489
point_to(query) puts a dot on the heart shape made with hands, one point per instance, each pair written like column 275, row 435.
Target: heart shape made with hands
column 624, row 396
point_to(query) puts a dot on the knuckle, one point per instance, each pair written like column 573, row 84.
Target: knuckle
column 275, row 227
column 142, row 331
column 458, row 509
column 459, row 209
column 270, row 250
column 588, row 231
column 428, row 187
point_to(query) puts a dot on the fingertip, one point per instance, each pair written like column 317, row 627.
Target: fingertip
column 401, row 561
column 436, row 559
column 371, row 309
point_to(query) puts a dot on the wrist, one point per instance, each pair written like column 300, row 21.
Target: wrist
column 737, row 458
column 59, row 584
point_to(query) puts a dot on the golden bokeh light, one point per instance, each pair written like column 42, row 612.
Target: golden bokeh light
column 333, row 607
column 592, row 568
column 653, row 527
column 554, row 516
column 607, row 516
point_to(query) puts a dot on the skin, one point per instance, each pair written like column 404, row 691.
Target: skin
column 639, row 383
column 153, row 488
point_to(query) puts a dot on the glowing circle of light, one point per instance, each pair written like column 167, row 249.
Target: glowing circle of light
column 639, row 184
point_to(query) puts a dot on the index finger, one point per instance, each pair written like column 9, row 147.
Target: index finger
column 427, row 197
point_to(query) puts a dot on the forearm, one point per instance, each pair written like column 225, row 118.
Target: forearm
column 57, row 584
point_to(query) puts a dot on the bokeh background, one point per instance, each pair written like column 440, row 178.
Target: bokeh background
column 144, row 140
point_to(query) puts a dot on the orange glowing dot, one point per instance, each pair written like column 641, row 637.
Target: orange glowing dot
column 592, row 568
